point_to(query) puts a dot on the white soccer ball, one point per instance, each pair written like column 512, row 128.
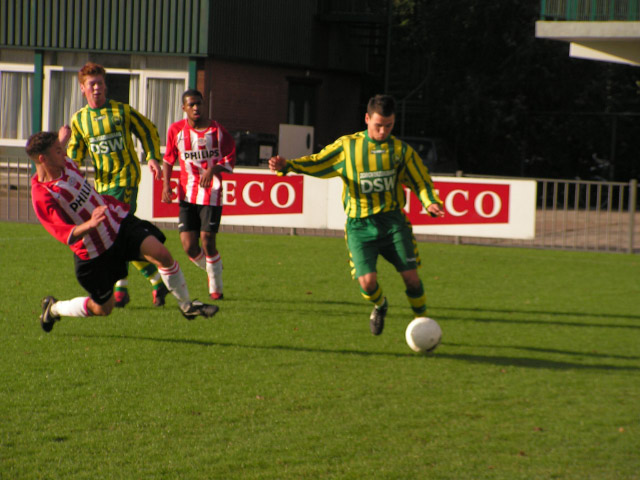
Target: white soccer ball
column 423, row 334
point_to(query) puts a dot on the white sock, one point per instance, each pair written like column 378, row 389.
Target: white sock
column 199, row 261
column 175, row 282
column 214, row 272
column 123, row 283
column 76, row 307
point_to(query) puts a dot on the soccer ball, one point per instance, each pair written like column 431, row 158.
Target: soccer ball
column 423, row 334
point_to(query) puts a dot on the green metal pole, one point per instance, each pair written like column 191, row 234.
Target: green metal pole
column 193, row 73
column 633, row 192
column 38, row 81
column 36, row 105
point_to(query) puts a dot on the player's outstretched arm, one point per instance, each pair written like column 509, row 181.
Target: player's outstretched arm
column 277, row 163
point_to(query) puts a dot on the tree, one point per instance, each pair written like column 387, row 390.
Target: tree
column 511, row 104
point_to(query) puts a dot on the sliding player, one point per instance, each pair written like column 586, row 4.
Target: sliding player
column 102, row 234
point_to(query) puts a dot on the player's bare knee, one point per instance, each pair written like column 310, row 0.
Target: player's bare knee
column 192, row 250
column 368, row 282
column 164, row 258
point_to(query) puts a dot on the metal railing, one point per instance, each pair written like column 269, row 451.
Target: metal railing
column 570, row 214
column 582, row 215
column 590, row 10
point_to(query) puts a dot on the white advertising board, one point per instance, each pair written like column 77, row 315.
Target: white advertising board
column 493, row 208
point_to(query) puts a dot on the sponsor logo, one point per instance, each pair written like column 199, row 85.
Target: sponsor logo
column 464, row 203
column 244, row 194
column 377, row 182
column 198, row 155
column 104, row 144
column 82, row 196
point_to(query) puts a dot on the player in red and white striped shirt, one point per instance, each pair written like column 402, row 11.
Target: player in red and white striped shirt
column 100, row 232
column 205, row 150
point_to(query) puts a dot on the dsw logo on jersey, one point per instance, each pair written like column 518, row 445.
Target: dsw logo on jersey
column 111, row 142
column 377, row 182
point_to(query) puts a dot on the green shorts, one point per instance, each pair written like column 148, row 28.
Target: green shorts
column 388, row 234
column 128, row 195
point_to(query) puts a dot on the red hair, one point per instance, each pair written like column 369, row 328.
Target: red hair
column 91, row 68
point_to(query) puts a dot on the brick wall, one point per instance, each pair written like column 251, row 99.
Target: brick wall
column 254, row 97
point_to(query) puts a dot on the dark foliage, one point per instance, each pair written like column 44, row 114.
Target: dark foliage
column 473, row 73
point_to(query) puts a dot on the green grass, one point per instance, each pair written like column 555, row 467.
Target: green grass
column 538, row 375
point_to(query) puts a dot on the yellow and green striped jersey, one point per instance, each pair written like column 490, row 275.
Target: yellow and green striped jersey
column 373, row 173
column 105, row 135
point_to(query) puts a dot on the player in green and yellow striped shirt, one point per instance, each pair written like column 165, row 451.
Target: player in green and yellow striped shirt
column 374, row 165
column 103, row 130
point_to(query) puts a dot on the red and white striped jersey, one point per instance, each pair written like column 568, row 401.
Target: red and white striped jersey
column 68, row 201
column 198, row 150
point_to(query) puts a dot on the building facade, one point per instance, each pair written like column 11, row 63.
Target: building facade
column 259, row 64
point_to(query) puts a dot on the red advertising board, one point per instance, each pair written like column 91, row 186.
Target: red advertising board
column 243, row 194
column 464, row 203
column 259, row 194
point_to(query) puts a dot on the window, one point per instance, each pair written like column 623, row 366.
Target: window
column 61, row 85
column 16, row 87
column 159, row 100
column 163, row 102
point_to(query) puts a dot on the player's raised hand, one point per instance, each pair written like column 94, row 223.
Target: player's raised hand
column 64, row 133
column 277, row 163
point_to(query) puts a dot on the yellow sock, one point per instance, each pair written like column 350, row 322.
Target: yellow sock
column 376, row 297
column 417, row 300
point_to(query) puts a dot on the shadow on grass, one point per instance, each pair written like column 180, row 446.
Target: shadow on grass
column 533, row 321
column 278, row 305
column 593, row 354
column 481, row 359
column 541, row 312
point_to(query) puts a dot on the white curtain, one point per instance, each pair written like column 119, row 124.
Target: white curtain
column 15, row 104
column 164, row 103
column 134, row 101
column 66, row 98
column 134, row 91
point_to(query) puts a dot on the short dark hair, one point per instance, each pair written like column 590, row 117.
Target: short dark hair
column 384, row 105
column 192, row 92
column 40, row 142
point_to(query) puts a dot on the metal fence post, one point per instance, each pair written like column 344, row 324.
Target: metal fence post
column 633, row 192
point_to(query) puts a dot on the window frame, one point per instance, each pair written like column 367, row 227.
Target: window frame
column 20, row 68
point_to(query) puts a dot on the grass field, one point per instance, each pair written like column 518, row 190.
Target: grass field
column 538, row 375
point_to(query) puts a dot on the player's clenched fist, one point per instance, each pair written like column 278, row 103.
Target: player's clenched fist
column 277, row 163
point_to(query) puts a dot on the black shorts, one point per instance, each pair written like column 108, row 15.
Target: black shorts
column 98, row 275
column 199, row 218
